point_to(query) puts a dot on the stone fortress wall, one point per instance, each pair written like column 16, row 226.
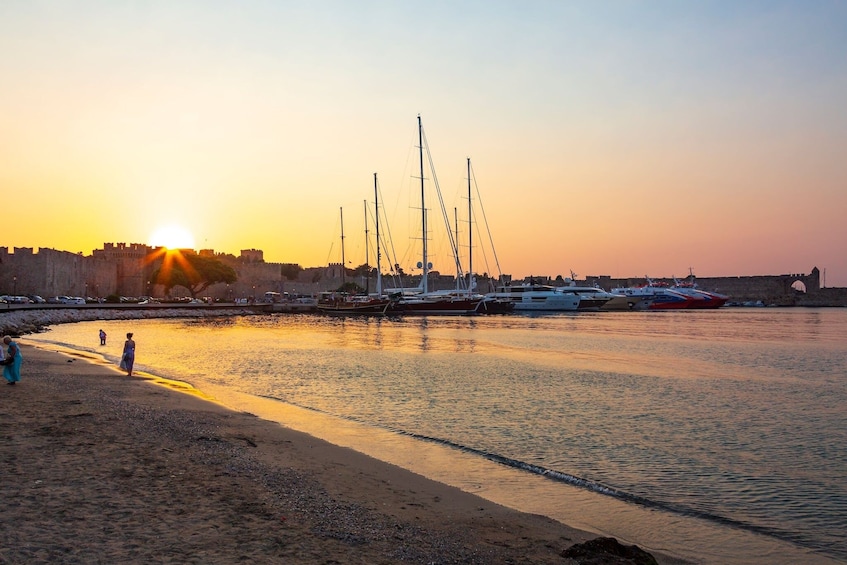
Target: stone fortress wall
column 778, row 290
column 125, row 269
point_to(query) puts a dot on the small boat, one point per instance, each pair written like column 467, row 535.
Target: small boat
column 342, row 304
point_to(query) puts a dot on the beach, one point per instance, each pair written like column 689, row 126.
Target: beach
column 104, row 468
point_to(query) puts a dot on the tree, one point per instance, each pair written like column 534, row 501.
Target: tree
column 290, row 271
column 363, row 270
column 351, row 288
column 194, row 272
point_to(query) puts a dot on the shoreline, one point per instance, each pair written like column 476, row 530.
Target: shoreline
column 109, row 468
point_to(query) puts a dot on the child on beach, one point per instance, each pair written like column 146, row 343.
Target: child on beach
column 102, row 337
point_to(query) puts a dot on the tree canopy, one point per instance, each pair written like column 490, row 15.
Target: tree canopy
column 290, row 271
column 351, row 288
column 193, row 272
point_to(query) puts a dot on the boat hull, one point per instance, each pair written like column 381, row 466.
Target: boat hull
column 560, row 303
column 625, row 303
column 372, row 307
column 437, row 307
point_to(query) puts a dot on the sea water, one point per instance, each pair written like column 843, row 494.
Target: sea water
column 718, row 436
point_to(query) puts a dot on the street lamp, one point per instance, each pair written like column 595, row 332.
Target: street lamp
column 15, row 285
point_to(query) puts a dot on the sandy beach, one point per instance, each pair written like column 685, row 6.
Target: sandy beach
column 103, row 468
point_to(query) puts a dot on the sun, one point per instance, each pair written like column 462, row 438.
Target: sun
column 172, row 237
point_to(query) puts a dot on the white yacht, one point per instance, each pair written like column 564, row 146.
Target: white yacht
column 537, row 297
column 593, row 299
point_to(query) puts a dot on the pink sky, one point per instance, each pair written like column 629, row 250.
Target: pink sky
column 611, row 138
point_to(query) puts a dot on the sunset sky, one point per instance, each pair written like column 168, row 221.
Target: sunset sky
column 622, row 138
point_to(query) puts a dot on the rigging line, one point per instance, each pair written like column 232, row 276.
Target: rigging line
column 444, row 214
column 487, row 227
column 390, row 238
column 332, row 241
column 482, row 249
column 388, row 249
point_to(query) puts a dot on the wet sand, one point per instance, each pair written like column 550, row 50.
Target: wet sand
column 99, row 467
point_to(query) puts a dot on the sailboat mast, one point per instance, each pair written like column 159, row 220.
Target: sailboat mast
column 470, row 233
column 424, row 265
column 378, row 267
column 367, row 254
column 459, row 276
column 343, row 263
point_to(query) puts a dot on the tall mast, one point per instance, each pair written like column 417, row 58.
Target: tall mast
column 459, row 276
column 343, row 264
column 378, row 268
column 470, row 233
column 424, row 265
column 367, row 254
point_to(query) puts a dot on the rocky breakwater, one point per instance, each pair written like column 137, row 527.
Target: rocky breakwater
column 20, row 322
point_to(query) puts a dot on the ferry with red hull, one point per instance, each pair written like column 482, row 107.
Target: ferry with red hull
column 710, row 300
column 678, row 297
column 661, row 297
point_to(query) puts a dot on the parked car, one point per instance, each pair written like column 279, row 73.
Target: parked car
column 71, row 300
column 36, row 299
column 16, row 299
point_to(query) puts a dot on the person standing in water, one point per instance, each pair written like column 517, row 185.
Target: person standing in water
column 128, row 357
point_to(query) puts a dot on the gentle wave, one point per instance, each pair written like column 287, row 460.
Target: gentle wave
column 584, row 483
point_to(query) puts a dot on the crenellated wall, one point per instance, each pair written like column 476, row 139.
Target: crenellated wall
column 782, row 290
column 125, row 269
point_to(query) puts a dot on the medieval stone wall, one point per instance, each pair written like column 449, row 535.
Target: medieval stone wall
column 125, row 269
column 781, row 290
column 52, row 273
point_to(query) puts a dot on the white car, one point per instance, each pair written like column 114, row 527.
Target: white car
column 71, row 300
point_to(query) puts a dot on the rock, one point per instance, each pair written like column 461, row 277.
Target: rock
column 21, row 322
column 608, row 551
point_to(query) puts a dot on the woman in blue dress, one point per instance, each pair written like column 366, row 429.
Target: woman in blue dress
column 128, row 356
column 12, row 363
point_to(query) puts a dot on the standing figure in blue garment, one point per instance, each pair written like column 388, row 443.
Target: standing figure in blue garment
column 128, row 356
column 12, row 362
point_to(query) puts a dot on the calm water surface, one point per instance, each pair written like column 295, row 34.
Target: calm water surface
column 719, row 436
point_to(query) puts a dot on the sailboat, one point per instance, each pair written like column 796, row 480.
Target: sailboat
column 425, row 302
column 345, row 304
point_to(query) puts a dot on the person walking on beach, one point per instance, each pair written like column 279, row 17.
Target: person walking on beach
column 128, row 357
column 12, row 362
column 102, row 337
